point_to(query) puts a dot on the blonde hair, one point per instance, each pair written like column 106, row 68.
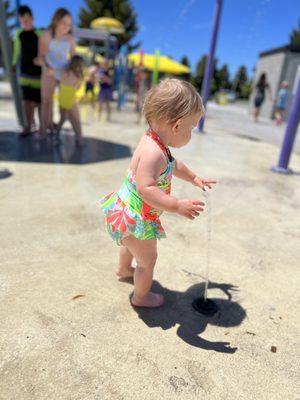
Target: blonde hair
column 171, row 100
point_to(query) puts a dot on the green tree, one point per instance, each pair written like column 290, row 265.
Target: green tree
column 185, row 61
column 224, row 77
column 197, row 79
column 240, row 79
column 122, row 10
column 295, row 39
column 246, row 90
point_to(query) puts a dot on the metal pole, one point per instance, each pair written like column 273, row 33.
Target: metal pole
column 18, row 3
column 155, row 67
column 7, row 57
column 139, row 82
column 210, row 60
column 120, row 77
column 290, row 135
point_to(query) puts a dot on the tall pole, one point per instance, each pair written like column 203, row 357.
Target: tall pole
column 210, row 60
column 7, row 58
column 121, row 77
column 139, row 81
column 18, row 3
column 290, row 135
column 155, row 67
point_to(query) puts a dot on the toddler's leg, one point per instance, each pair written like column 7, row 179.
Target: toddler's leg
column 108, row 110
column 145, row 253
column 75, row 122
column 125, row 269
column 100, row 107
column 63, row 117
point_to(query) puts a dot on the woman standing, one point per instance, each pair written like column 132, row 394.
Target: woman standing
column 56, row 46
column 260, row 89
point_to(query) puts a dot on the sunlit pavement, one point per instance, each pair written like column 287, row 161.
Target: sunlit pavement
column 55, row 345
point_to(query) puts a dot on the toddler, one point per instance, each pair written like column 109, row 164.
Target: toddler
column 132, row 214
column 281, row 102
column 71, row 79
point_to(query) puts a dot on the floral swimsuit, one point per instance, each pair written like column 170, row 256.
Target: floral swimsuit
column 126, row 213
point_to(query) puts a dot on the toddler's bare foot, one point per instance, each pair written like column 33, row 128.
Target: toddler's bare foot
column 125, row 273
column 150, row 300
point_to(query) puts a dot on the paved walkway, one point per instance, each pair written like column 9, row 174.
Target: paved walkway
column 67, row 330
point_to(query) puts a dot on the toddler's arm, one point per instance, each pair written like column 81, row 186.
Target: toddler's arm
column 150, row 166
column 183, row 172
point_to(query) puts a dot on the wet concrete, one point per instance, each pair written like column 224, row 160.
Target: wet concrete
column 56, row 345
column 29, row 149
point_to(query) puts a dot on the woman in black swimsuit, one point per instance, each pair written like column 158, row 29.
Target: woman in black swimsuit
column 260, row 90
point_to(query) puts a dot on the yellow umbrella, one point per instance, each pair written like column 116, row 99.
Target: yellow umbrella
column 166, row 64
column 111, row 25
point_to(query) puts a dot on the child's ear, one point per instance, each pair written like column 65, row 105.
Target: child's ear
column 176, row 125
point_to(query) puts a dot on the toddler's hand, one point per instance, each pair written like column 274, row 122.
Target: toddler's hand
column 201, row 183
column 190, row 208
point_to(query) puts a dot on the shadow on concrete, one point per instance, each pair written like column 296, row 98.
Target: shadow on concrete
column 178, row 310
column 29, row 149
column 5, row 173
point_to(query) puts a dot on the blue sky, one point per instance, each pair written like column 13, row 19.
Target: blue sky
column 183, row 27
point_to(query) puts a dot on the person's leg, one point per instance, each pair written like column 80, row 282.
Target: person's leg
column 75, row 122
column 280, row 116
column 100, row 107
column 256, row 114
column 34, row 126
column 63, row 117
column 47, row 91
column 107, row 103
column 125, row 269
column 29, row 116
column 277, row 116
column 94, row 97
column 145, row 253
column 38, row 105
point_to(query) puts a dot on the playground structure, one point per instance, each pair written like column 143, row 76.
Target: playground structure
column 280, row 64
column 102, row 31
column 7, row 57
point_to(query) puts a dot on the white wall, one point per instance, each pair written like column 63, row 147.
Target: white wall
column 272, row 65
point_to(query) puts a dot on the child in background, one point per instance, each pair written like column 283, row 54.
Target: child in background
column 132, row 213
column 71, row 79
column 105, row 94
column 56, row 47
column 26, row 49
column 141, row 90
column 281, row 102
column 91, row 79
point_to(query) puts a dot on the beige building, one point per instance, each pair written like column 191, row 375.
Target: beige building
column 279, row 64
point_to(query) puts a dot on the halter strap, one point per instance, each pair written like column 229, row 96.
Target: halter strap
column 154, row 136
